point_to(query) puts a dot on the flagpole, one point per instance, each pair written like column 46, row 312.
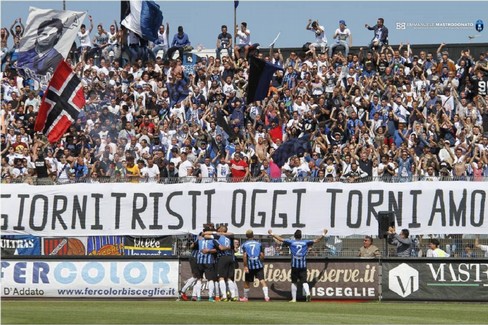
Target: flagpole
column 64, row 4
column 235, row 23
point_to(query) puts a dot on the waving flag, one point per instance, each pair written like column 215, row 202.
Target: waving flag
column 224, row 125
column 260, row 75
column 291, row 147
column 47, row 40
column 236, row 4
column 124, row 9
column 144, row 19
column 61, row 103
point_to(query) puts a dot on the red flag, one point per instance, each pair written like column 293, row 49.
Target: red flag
column 61, row 103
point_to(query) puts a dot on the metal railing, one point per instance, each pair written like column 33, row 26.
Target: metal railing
column 192, row 179
column 348, row 246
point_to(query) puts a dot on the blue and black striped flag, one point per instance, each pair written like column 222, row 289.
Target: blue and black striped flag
column 260, row 75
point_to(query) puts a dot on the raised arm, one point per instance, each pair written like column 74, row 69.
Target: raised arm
column 12, row 30
column 477, row 242
column 324, row 233
column 439, row 49
column 91, row 24
column 308, row 25
column 277, row 237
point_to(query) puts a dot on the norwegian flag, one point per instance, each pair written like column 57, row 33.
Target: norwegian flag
column 61, row 103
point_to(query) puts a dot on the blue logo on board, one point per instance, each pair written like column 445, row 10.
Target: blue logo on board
column 479, row 25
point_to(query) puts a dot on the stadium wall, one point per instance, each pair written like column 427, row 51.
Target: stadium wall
column 329, row 279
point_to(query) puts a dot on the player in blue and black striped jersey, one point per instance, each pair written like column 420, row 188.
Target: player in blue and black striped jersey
column 207, row 249
column 253, row 257
column 225, row 262
column 299, row 249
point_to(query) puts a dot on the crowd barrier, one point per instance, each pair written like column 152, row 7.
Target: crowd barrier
column 193, row 179
column 330, row 279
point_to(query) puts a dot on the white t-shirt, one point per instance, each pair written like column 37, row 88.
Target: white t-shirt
column 52, row 163
column 436, row 253
column 183, row 168
column 19, row 172
column 222, row 171
column 484, row 248
column 177, row 111
column 62, row 171
column 342, row 35
column 204, row 171
column 163, row 39
column 85, row 39
column 320, row 38
column 114, row 109
column 401, row 112
column 150, row 172
column 35, row 102
column 447, row 103
column 244, row 39
column 301, row 171
column 112, row 38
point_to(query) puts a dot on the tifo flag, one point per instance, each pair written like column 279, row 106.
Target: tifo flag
column 47, row 40
column 291, row 147
column 61, row 103
column 236, row 4
column 260, row 75
column 21, row 245
column 190, row 60
column 144, row 19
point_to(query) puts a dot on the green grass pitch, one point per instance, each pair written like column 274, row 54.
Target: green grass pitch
column 256, row 312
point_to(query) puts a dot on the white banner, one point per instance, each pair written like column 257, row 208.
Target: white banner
column 90, row 279
column 158, row 209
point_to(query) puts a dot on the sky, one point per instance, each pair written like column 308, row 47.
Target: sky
column 410, row 21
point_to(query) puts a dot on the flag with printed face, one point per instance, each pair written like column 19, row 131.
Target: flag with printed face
column 260, row 74
column 61, row 103
column 49, row 35
column 144, row 18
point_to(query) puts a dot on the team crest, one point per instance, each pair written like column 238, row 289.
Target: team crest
column 479, row 25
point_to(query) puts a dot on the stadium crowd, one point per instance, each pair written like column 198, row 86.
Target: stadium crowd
column 380, row 113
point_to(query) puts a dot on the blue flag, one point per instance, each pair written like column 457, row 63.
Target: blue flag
column 260, row 75
column 144, row 18
column 190, row 60
column 291, row 147
column 236, row 4
column 178, row 91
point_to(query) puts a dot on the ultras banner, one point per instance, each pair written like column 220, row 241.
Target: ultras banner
column 436, row 280
column 327, row 280
column 89, row 279
column 159, row 209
